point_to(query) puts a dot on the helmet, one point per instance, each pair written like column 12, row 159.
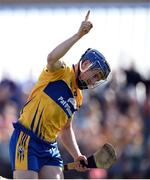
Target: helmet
column 97, row 62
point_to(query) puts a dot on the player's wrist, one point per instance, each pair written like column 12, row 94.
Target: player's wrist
column 76, row 156
column 78, row 35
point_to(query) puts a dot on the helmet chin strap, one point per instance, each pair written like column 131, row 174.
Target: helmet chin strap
column 81, row 84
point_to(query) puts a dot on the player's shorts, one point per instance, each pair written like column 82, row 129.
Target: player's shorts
column 28, row 152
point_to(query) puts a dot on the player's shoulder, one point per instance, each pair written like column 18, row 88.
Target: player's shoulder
column 59, row 65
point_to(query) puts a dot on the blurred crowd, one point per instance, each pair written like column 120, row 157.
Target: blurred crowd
column 117, row 112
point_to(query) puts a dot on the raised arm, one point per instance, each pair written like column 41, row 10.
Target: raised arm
column 64, row 47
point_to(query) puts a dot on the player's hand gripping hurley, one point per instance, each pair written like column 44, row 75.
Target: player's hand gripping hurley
column 104, row 158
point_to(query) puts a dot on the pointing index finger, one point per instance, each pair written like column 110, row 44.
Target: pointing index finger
column 87, row 16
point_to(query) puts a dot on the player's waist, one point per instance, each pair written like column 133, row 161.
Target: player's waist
column 20, row 127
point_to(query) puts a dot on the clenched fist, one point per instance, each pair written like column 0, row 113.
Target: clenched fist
column 85, row 26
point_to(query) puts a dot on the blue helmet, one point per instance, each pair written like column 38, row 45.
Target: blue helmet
column 95, row 56
column 98, row 62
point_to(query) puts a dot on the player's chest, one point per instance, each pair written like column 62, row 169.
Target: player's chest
column 62, row 95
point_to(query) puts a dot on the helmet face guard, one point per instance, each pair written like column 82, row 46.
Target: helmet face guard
column 95, row 73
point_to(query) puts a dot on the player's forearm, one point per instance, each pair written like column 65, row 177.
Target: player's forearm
column 69, row 141
column 62, row 49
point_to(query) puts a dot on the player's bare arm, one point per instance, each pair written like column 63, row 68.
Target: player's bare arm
column 68, row 139
column 58, row 52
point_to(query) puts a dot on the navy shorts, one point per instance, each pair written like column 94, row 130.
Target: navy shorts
column 31, row 153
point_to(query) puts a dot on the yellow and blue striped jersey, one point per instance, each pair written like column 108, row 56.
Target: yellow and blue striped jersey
column 53, row 100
